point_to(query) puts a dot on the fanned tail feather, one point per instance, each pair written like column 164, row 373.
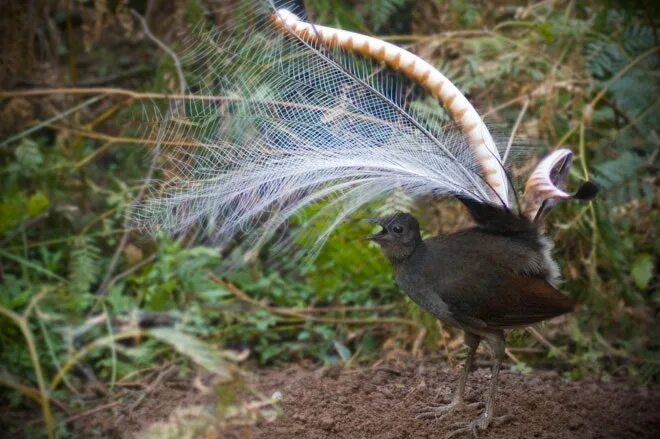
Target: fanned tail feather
column 281, row 119
column 273, row 125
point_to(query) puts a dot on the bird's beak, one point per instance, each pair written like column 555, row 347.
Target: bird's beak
column 378, row 235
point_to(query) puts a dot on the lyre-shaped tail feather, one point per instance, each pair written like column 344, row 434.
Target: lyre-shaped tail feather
column 273, row 124
column 281, row 115
column 474, row 129
column 544, row 186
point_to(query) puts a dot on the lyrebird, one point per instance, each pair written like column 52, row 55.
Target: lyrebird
column 286, row 115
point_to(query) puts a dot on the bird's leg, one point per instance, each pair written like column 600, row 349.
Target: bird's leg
column 496, row 342
column 457, row 402
column 472, row 342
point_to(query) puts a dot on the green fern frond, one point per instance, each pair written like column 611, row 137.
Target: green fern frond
column 616, row 172
column 381, row 11
column 84, row 267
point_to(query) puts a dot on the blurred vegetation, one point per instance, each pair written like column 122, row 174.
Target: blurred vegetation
column 86, row 301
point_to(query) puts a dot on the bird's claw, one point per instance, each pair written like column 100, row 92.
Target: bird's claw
column 479, row 424
column 441, row 411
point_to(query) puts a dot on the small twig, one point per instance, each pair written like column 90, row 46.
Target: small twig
column 33, row 92
column 74, row 358
column 91, row 411
column 418, row 38
column 165, row 48
column 49, row 121
column 132, row 374
column 527, row 350
column 539, row 91
column 175, row 97
column 71, row 50
column 32, row 265
column 417, row 344
column 523, row 110
column 137, row 384
column 162, row 375
column 541, row 339
column 314, row 310
column 12, row 382
column 511, row 356
column 388, row 370
column 445, row 344
column 21, row 320
column 91, row 156
column 103, row 288
column 130, row 270
column 51, row 350
column 110, row 79
column 290, row 312
column 130, row 140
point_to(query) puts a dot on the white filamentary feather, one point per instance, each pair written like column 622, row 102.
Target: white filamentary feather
column 461, row 110
column 271, row 125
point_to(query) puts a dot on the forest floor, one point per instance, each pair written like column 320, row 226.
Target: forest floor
column 381, row 401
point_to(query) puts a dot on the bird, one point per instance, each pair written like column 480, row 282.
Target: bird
column 484, row 280
column 284, row 119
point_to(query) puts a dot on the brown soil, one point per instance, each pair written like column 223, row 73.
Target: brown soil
column 381, row 401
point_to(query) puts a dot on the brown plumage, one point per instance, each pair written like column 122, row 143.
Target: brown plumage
column 484, row 279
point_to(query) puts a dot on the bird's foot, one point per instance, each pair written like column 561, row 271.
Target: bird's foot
column 479, row 424
column 443, row 410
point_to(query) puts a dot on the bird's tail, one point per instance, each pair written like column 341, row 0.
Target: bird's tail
column 280, row 118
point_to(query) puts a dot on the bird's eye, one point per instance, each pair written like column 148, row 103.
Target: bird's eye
column 397, row 229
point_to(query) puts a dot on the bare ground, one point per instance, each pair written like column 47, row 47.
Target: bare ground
column 381, row 401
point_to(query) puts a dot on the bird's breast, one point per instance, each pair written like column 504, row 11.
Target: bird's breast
column 415, row 285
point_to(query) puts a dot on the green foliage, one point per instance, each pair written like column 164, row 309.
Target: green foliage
column 380, row 11
column 201, row 353
column 175, row 277
column 372, row 16
column 84, row 267
column 642, row 269
column 521, row 367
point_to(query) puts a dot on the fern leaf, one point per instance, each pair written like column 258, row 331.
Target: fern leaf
column 83, row 265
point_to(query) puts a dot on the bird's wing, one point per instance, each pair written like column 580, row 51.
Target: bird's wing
column 524, row 300
column 511, row 300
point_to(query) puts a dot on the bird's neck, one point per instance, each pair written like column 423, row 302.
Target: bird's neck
column 399, row 254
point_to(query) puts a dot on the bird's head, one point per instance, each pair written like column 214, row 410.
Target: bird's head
column 398, row 237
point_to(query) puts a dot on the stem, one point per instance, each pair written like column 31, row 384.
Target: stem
column 73, row 75
column 523, row 110
column 49, row 121
column 73, row 359
column 22, row 322
column 593, row 273
column 45, row 397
